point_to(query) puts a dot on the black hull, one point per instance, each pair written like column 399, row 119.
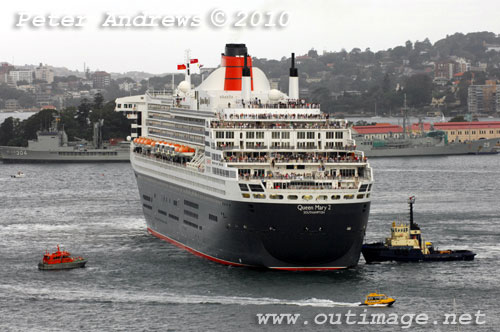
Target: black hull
column 377, row 252
column 280, row 236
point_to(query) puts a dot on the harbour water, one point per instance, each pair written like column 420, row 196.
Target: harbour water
column 136, row 282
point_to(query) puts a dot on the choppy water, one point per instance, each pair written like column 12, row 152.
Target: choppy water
column 135, row 282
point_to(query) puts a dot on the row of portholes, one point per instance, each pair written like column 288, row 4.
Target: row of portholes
column 307, row 197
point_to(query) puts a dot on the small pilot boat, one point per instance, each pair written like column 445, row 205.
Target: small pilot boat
column 378, row 300
column 60, row 260
column 18, row 175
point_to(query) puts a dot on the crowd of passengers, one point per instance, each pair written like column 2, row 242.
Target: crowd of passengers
column 295, row 158
column 253, row 125
column 267, row 116
column 302, row 176
column 257, row 103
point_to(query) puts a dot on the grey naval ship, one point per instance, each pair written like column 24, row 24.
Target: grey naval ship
column 245, row 175
column 425, row 146
column 52, row 145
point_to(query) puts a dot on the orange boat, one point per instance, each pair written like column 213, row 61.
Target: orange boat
column 60, row 260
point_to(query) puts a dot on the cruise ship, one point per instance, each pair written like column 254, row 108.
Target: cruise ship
column 245, row 175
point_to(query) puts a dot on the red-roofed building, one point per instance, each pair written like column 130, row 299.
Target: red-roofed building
column 379, row 131
column 415, row 128
column 469, row 131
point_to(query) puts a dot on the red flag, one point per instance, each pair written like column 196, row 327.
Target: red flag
column 194, row 61
column 180, row 67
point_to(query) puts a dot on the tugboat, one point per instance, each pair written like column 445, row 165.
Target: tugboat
column 378, row 300
column 60, row 260
column 407, row 245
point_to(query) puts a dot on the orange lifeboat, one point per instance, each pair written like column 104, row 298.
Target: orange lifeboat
column 60, row 260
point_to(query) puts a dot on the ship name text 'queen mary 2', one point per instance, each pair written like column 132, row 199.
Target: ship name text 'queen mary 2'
column 245, row 175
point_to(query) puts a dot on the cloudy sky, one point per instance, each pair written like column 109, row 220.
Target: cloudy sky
column 321, row 24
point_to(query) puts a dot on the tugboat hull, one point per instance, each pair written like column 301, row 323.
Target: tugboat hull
column 62, row 266
column 378, row 252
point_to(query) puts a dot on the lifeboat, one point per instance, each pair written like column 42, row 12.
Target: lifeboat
column 165, row 147
column 378, row 300
column 60, row 260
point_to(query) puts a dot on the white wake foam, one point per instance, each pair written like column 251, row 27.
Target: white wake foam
column 160, row 298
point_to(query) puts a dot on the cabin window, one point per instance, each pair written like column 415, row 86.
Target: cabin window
column 285, row 135
column 229, row 134
column 192, row 224
column 191, row 204
column 250, row 134
column 259, row 134
column 256, row 188
column 191, row 214
column 347, row 172
column 212, row 217
column 301, row 135
column 276, row 135
column 310, row 135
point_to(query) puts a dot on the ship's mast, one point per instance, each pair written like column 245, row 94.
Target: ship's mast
column 411, row 201
column 188, row 72
column 405, row 114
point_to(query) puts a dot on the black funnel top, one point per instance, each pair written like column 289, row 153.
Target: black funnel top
column 293, row 71
column 235, row 50
column 246, row 70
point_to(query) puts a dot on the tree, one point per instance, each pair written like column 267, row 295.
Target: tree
column 386, row 83
column 409, row 46
column 312, row 53
column 98, row 101
column 419, row 90
column 8, row 130
column 83, row 112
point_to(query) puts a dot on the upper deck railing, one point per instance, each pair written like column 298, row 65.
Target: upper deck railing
column 257, row 104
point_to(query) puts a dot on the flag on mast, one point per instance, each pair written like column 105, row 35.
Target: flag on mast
column 180, row 67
